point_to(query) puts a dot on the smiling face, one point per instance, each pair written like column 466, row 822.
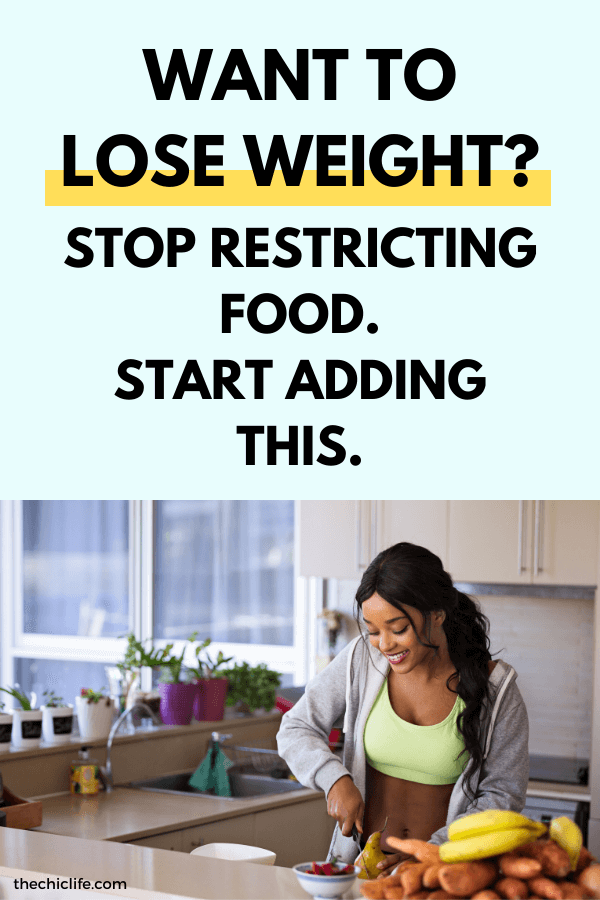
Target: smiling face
column 391, row 633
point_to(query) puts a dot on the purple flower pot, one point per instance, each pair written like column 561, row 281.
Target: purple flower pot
column 209, row 704
column 176, row 703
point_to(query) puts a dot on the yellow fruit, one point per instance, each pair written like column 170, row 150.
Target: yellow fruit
column 568, row 836
column 490, row 821
column 481, row 846
column 371, row 855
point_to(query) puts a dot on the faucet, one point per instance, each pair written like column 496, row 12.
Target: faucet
column 106, row 771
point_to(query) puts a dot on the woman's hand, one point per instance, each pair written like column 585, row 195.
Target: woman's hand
column 389, row 862
column 345, row 805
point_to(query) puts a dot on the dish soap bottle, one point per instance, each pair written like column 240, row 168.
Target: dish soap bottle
column 84, row 777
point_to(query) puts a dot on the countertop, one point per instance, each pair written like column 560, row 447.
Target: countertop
column 558, row 791
column 148, row 873
column 126, row 814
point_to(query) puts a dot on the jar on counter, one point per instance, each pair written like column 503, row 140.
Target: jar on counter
column 84, row 777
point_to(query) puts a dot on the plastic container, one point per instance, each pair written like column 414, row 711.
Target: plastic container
column 84, row 777
column 237, row 853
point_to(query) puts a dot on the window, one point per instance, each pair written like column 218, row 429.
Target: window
column 78, row 575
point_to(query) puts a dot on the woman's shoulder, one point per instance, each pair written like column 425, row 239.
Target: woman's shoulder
column 502, row 681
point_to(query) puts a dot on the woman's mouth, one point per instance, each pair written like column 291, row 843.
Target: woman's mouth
column 397, row 657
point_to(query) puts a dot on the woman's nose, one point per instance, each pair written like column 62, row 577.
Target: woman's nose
column 385, row 643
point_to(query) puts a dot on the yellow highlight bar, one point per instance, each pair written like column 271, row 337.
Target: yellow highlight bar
column 240, row 189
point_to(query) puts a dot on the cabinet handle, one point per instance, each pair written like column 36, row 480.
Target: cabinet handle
column 520, row 566
column 537, row 545
column 358, row 530
column 373, row 547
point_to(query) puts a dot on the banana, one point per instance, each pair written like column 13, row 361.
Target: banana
column 568, row 836
column 490, row 821
column 490, row 843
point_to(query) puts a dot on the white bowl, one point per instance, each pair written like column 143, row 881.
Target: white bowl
column 326, row 886
column 237, row 852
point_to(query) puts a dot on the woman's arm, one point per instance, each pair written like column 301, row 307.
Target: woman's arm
column 505, row 771
column 303, row 738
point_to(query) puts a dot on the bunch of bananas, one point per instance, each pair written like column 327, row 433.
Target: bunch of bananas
column 497, row 831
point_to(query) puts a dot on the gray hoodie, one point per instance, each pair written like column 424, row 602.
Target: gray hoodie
column 349, row 686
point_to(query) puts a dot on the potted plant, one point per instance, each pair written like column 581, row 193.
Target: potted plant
column 252, row 688
column 27, row 720
column 6, row 724
column 137, row 657
column 209, row 702
column 57, row 719
column 95, row 713
column 176, row 691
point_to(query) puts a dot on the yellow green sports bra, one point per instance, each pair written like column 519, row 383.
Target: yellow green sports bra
column 427, row 754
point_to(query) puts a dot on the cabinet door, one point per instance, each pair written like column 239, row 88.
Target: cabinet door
column 169, row 841
column 237, row 830
column 335, row 537
column 421, row 522
column 490, row 540
column 297, row 833
column 566, row 542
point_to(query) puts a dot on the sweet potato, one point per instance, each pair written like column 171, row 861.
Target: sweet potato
column 512, row 888
column 393, row 893
column 514, row 866
column 419, row 895
column 590, row 880
column 572, row 891
column 585, row 859
column 488, row 894
column 372, row 890
column 421, row 850
column 411, row 878
column 440, row 895
column 465, row 879
column 554, row 860
column 431, row 876
column 391, row 881
column 545, row 887
column 397, row 869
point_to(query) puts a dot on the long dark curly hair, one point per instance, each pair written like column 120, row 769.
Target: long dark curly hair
column 407, row 575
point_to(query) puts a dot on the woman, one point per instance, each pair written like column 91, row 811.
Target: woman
column 433, row 728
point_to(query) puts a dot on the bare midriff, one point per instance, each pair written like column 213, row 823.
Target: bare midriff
column 412, row 810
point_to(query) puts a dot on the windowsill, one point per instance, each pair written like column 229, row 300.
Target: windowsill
column 140, row 734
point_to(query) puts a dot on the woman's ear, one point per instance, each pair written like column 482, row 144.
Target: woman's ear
column 439, row 617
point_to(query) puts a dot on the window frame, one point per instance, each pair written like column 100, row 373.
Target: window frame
column 294, row 659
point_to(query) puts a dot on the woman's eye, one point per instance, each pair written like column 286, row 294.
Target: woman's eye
column 402, row 631
column 372, row 633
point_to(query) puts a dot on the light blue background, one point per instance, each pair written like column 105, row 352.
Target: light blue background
column 74, row 68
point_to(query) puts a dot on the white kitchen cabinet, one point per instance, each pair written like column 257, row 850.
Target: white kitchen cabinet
column 169, row 841
column 339, row 538
column 567, row 542
column 423, row 522
column 237, row 830
column 336, row 538
column 296, row 832
column 526, row 542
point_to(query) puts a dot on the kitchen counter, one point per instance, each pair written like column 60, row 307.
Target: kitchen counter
column 148, row 873
column 126, row 814
column 558, row 791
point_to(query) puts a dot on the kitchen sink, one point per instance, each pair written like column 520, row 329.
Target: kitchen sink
column 243, row 784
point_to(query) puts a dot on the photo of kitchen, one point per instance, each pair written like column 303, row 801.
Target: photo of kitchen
column 277, row 699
